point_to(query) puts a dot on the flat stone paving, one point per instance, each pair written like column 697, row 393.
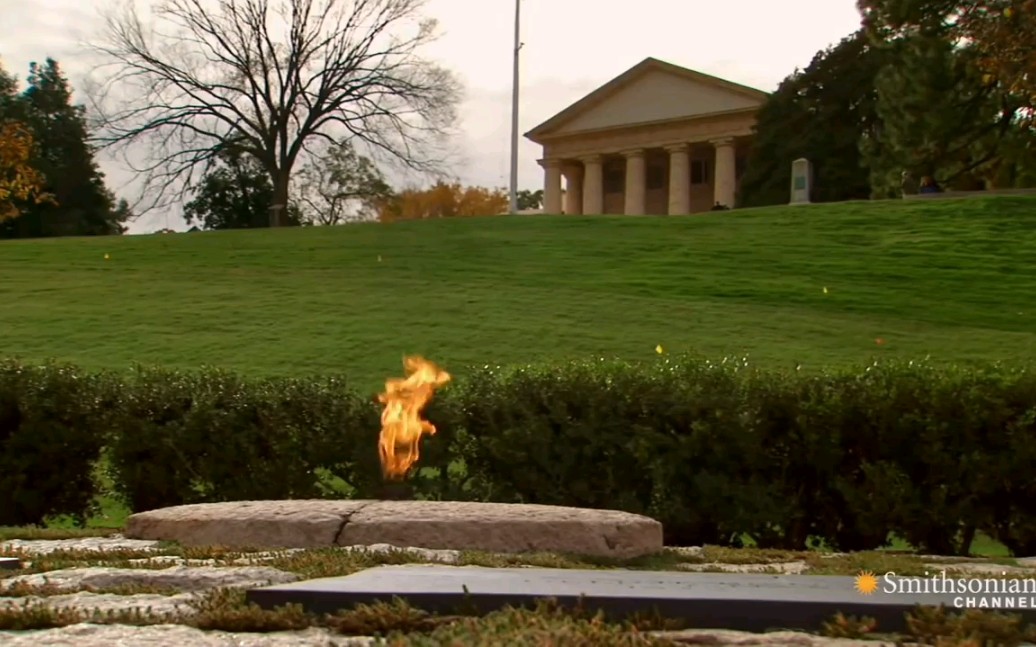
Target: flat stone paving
column 80, row 544
column 187, row 578
column 745, row 602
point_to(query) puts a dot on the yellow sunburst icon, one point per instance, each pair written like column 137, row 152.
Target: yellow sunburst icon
column 866, row 583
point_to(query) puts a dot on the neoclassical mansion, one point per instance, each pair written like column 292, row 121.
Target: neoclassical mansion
column 658, row 139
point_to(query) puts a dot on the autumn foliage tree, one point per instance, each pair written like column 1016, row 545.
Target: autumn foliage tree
column 19, row 181
column 1001, row 32
column 82, row 204
column 1005, row 37
column 948, row 106
column 50, row 182
column 443, row 201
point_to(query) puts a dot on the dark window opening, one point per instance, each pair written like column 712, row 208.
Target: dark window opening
column 699, row 172
column 655, row 178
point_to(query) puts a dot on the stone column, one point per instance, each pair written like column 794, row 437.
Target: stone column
column 593, row 185
column 679, row 179
column 573, row 189
column 725, row 185
column 551, row 186
column 635, row 183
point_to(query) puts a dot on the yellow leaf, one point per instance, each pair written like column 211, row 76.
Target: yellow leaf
column 658, row 349
column 825, row 290
column 106, row 257
column 18, row 179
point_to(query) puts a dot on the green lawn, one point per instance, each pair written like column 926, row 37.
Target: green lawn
column 954, row 279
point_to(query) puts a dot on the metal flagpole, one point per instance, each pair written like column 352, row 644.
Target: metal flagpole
column 514, row 108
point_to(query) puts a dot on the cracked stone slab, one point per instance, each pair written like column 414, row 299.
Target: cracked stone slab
column 172, row 560
column 180, row 578
column 86, row 544
column 782, row 568
column 247, row 559
column 949, row 558
column 247, row 524
column 688, row 552
column 436, row 525
column 92, row 635
column 981, row 568
column 730, row 638
column 421, row 554
column 88, row 601
column 442, row 556
column 504, row 528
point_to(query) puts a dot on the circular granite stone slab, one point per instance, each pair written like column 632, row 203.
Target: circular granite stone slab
column 491, row 527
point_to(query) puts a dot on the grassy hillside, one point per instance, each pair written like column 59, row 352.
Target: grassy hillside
column 954, row 279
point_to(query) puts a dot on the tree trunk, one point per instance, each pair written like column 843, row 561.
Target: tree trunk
column 279, row 208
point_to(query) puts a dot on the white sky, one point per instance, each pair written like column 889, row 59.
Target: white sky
column 571, row 47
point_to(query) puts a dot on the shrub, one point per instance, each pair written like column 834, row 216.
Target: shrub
column 186, row 438
column 720, row 453
column 561, row 436
column 52, row 421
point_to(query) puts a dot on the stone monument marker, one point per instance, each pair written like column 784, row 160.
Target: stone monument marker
column 801, row 181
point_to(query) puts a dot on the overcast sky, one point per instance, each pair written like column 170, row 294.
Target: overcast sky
column 571, row 47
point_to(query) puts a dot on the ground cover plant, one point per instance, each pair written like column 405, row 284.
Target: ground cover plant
column 950, row 279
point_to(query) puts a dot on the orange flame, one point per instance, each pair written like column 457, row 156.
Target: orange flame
column 401, row 422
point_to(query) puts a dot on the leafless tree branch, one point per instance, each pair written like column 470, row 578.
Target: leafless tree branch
column 335, row 184
column 271, row 75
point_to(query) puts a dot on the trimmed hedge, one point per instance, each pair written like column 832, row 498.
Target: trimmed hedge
column 717, row 452
column 52, row 422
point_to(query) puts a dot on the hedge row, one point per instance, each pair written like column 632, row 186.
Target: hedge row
column 717, row 452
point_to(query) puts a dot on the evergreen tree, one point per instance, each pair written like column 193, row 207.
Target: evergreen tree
column 8, row 95
column 236, row 194
column 1016, row 167
column 1001, row 35
column 82, row 205
column 817, row 113
column 940, row 116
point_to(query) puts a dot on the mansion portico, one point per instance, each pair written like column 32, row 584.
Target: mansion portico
column 658, row 139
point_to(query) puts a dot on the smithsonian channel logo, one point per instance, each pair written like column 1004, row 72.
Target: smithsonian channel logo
column 965, row 592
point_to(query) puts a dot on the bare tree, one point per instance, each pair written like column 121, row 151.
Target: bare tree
column 273, row 77
column 335, row 185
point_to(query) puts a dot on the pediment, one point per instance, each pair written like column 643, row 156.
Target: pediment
column 652, row 91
